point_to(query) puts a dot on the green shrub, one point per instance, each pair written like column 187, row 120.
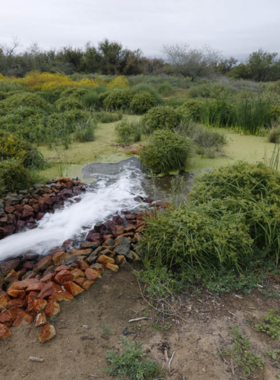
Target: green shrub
column 193, row 108
column 12, row 147
column 218, row 113
column 274, row 135
column 85, row 131
column 14, row 176
column 270, row 325
column 165, row 89
column 131, row 363
column 74, row 92
column 142, row 102
column 128, row 132
column 174, row 102
column 94, row 98
column 147, row 88
column 275, row 112
column 166, row 152
column 118, row 100
column 102, row 96
column 161, row 118
column 68, row 104
column 26, row 99
column 107, row 117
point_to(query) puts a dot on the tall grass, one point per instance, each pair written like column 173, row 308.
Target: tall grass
column 85, row 131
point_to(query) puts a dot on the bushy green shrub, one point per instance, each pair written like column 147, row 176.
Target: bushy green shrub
column 166, row 152
column 128, row 132
column 165, row 89
column 26, row 99
column 275, row 112
column 147, row 88
column 118, row 100
column 161, row 118
column 193, row 108
column 107, row 117
column 231, row 219
column 101, row 97
column 94, row 98
column 142, row 102
column 13, row 147
column 14, row 176
column 74, row 92
column 85, row 131
column 68, row 104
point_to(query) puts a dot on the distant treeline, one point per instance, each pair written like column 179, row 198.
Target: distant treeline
column 111, row 58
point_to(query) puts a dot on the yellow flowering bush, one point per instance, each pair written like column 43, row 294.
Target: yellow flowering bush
column 119, row 82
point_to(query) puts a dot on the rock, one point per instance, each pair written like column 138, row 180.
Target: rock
column 49, row 289
column 107, row 252
column 68, row 243
column 80, row 252
column 35, row 287
column 92, row 274
column 48, row 277
column 87, row 284
column 120, row 260
column 40, row 319
column 4, row 331
column 18, row 303
column 31, row 297
column 70, row 259
column 47, row 333
column 59, row 258
column 77, row 273
column 23, row 316
column 61, row 267
column 93, row 236
column 130, row 228
column 98, row 267
column 130, row 217
column 105, row 260
column 61, row 296
column 52, row 309
column 37, row 306
column 63, row 276
column 73, row 288
column 113, row 267
column 82, row 264
column 6, row 318
column 123, row 246
column 4, row 299
column 11, row 277
column 119, row 230
column 13, row 312
column 88, row 244
column 17, row 294
column 43, row 264
column 7, row 266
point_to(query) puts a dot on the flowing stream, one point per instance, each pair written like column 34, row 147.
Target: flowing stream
column 115, row 189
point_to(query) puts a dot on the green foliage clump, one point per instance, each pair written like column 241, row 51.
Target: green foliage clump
column 142, row 102
column 74, row 92
column 85, row 131
column 270, row 325
column 102, row 96
column 128, row 132
column 144, row 87
column 274, row 135
column 218, row 113
column 95, row 97
column 193, row 108
column 242, row 353
column 13, row 147
column 166, row 152
column 26, row 99
column 161, row 118
column 165, row 89
column 118, row 100
column 274, row 354
column 14, row 176
column 107, row 117
column 275, row 112
column 132, row 364
column 68, row 104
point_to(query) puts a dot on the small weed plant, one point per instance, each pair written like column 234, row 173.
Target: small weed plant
column 132, row 363
column 270, row 325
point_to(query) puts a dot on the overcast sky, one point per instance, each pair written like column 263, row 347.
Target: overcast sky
column 235, row 27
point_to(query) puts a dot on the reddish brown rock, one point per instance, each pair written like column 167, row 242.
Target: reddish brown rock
column 61, row 267
column 98, row 267
column 9, row 209
column 47, row 333
column 37, row 306
column 77, row 273
column 119, row 230
column 11, row 277
column 63, row 276
column 92, row 274
column 4, row 299
column 80, row 252
column 87, row 284
column 18, row 303
column 43, row 264
column 93, row 236
column 61, row 296
column 80, row 281
column 120, row 259
column 17, row 294
column 23, row 317
column 31, row 297
column 52, row 309
column 73, row 288
column 130, row 228
column 40, row 319
column 35, row 287
column 6, row 318
column 82, row 264
column 4, row 331
column 48, row 277
column 7, row 266
column 49, row 289
column 105, row 260
column 59, row 257
column 13, row 312
column 112, row 267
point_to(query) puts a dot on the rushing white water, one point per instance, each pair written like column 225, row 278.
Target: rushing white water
column 111, row 194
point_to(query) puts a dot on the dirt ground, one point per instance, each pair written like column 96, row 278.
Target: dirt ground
column 104, row 312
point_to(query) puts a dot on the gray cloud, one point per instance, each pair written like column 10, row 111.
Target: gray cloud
column 233, row 27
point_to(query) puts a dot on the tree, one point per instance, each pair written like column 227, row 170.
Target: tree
column 226, row 65
column 262, row 65
column 192, row 63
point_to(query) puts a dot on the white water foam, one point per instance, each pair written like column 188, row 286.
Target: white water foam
column 110, row 195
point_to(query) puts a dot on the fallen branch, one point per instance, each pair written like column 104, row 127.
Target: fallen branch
column 172, row 356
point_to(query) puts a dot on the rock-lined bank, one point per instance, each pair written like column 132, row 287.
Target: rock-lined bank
column 24, row 209
column 32, row 287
